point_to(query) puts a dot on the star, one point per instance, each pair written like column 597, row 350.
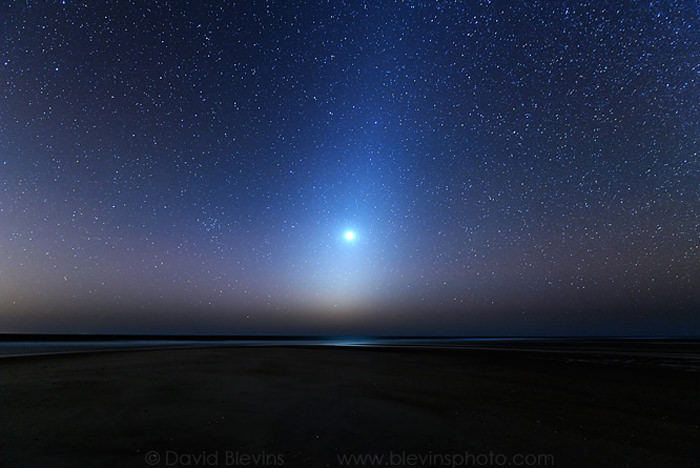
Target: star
column 541, row 172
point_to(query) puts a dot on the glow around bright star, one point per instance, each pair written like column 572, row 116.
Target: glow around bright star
column 350, row 236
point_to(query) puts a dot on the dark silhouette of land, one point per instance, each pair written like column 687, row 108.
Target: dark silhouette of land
column 309, row 405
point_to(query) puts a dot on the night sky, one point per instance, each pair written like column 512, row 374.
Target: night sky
column 393, row 167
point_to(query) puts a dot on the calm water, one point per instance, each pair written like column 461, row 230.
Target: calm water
column 23, row 348
column 682, row 354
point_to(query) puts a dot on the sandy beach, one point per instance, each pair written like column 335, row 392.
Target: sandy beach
column 318, row 407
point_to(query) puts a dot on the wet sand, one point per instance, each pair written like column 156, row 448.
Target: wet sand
column 307, row 407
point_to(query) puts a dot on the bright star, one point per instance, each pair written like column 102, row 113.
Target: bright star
column 350, row 235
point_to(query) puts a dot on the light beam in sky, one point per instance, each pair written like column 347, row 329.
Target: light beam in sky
column 410, row 189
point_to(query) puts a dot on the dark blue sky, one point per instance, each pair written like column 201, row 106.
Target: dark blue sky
column 507, row 167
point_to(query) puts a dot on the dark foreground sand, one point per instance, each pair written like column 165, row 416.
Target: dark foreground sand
column 307, row 406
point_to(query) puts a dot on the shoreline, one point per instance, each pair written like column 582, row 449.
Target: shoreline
column 683, row 354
